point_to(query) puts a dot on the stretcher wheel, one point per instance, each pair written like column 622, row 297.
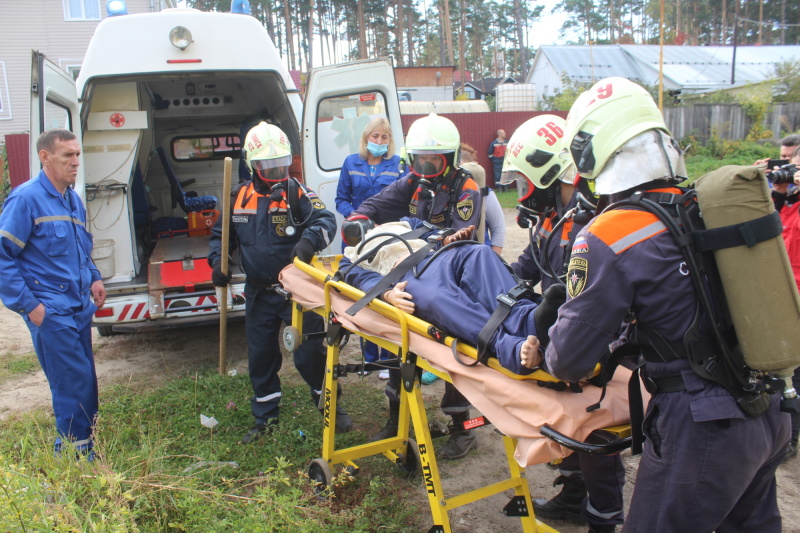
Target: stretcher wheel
column 291, row 338
column 412, row 462
column 320, row 474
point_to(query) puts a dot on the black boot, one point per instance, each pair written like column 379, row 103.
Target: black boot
column 602, row 529
column 792, row 451
column 567, row 504
column 460, row 442
column 390, row 429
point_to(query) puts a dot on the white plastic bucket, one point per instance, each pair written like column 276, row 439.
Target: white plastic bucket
column 103, row 257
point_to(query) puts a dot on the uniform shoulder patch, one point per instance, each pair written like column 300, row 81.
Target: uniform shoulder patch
column 577, row 274
column 317, row 203
column 580, row 246
column 465, row 207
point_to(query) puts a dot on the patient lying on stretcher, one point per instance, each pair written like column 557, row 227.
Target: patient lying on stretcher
column 455, row 287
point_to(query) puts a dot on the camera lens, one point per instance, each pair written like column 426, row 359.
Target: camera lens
column 782, row 175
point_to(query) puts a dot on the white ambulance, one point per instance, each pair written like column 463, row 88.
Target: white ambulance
column 161, row 99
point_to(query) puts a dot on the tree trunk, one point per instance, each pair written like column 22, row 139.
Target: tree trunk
column 523, row 50
column 362, row 32
column 289, row 36
column 398, row 34
column 409, row 34
column 462, row 52
column 310, row 37
column 448, row 33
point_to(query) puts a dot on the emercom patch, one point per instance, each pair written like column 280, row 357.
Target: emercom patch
column 577, row 274
column 465, row 207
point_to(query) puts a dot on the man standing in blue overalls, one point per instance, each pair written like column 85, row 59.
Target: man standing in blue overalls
column 49, row 278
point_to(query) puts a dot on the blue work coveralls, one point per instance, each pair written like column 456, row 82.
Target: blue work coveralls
column 261, row 231
column 457, row 292
column 706, row 466
column 448, row 208
column 603, row 475
column 356, row 184
column 45, row 257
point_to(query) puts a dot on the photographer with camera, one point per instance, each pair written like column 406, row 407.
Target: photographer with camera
column 789, row 209
column 780, row 186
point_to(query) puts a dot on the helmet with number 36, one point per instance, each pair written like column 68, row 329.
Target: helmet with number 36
column 537, row 157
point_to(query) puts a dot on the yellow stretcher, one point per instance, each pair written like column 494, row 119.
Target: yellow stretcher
column 410, row 455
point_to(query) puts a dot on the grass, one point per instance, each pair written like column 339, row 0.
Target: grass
column 13, row 365
column 159, row 470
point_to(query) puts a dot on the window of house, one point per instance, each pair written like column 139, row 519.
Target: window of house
column 81, row 9
column 5, row 103
column 72, row 66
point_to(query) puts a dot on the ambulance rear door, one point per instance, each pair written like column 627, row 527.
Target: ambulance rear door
column 54, row 104
column 340, row 101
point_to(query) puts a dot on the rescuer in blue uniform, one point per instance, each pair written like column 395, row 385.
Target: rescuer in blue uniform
column 437, row 191
column 707, row 466
column 275, row 218
column 49, row 278
column 548, row 191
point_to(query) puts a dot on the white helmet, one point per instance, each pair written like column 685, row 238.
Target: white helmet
column 537, row 153
column 268, row 152
column 432, row 136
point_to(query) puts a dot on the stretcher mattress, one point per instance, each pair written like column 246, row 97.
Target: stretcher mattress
column 516, row 407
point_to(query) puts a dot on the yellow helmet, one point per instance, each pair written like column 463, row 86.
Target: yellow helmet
column 268, row 152
column 604, row 118
column 538, row 151
column 432, row 136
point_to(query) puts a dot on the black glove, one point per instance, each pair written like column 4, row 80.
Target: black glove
column 545, row 315
column 304, row 249
column 354, row 229
column 218, row 278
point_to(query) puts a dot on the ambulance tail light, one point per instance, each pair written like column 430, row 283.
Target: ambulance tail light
column 104, row 313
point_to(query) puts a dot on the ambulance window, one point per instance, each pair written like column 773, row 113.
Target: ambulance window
column 341, row 121
column 56, row 116
column 202, row 148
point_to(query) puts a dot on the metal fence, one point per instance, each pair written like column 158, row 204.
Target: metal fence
column 729, row 120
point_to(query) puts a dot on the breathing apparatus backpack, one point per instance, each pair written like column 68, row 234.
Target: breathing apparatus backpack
column 730, row 236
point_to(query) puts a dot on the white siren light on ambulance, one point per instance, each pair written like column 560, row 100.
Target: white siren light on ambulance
column 116, row 7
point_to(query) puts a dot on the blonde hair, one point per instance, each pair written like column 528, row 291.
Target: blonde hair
column 377, row 123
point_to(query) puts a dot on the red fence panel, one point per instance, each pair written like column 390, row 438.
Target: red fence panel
column 18, row 154
column 480, row 129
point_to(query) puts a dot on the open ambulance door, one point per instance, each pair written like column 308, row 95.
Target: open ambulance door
column 54, row 104
column 340, row 101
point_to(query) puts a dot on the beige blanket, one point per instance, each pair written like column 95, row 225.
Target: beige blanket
column 517, row 408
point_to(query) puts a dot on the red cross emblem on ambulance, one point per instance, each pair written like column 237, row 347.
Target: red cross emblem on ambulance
column 117, row 120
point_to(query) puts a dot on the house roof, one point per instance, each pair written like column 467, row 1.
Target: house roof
column 690, row 68
column 486, row 85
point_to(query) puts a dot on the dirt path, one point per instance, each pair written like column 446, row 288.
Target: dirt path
column 157, row 356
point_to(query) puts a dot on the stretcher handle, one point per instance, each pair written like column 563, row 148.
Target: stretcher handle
column 604, row 448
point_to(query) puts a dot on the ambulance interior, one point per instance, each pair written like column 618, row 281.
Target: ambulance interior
column 196, row 121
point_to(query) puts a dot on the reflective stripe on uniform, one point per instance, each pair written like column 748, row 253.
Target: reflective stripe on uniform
column 67, row 218
column 620, row 229
column 247, row 201
column 268, row 397
column 12, row 238
column 357, row 173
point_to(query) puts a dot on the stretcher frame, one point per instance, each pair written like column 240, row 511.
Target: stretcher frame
column 411, row 456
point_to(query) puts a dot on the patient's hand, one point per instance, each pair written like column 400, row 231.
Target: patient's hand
column 529, row 354
column 464, row 234
column 398, row 297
